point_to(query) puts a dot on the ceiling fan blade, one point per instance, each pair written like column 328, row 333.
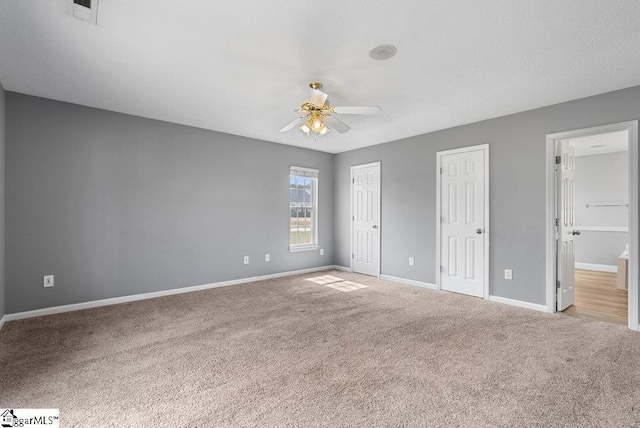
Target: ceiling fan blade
column 358, row 110
column 318, row 98
column 299, row 121
column 336, row 124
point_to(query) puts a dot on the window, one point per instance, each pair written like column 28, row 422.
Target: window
column 303, row 209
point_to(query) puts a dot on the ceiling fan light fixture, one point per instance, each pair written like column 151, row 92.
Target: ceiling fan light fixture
column 316, row 124
column 305, row 128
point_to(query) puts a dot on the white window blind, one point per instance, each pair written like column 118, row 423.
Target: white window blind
column 304, row 172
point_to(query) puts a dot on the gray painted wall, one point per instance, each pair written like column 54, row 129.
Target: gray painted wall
column 115, row 205
column 2, row 146
column 601, row 178
column 517, row 191
column 601, row 248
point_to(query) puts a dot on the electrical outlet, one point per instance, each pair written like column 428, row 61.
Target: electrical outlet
column 411, row 261
column 246, row 260
column 508, row 274
column 322, row 251
column 48, row 281
column 267, row 257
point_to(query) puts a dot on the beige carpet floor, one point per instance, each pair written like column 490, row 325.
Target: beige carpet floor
column 290, row 352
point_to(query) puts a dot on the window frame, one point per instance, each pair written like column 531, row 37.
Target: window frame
column 312, row 173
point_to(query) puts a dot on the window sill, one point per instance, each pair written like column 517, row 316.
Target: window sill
column 299, row 248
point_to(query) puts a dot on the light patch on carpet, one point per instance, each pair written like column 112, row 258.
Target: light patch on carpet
column 325, row 279
column 346, row 286
column 336, row 283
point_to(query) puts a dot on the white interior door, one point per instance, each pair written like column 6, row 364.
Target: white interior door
column 463, row 223
column 566, row 263
column 366, row 219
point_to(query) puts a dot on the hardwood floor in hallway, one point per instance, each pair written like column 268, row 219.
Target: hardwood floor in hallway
column 598, row 298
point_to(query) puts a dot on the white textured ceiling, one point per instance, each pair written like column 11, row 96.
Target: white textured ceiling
column 242, row 66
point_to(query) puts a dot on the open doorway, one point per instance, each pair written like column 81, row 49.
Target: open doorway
column 592, row 225
column 601, row 221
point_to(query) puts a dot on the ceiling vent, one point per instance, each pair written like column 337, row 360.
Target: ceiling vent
column 86, row 10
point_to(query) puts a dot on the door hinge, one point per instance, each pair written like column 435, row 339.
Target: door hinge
column 441, row 171
column 353, row 256
column 558, row 160
column 353, row 180
column 557, row 223
column 353, row 218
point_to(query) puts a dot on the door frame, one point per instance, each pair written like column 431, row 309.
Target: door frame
column 632, row 128
column 352, row 178
column 439, row 155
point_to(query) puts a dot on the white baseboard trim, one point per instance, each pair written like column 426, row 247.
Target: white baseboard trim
column 342, row 268
column 518, row 303
column 135, row 297
column 2, row 321
column 409, row 282
column 593, row 266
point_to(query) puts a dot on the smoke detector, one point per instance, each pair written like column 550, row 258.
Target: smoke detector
column 86, row 10
column 383, row 52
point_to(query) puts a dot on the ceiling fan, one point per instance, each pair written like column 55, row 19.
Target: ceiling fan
column 318, row 116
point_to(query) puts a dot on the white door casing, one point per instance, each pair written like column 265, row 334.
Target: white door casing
column 365, row 216
column 566, row 263
column 463, row 214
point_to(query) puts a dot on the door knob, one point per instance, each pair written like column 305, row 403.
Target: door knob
column 575, row 232
column 375, row 226
column 478, row 231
